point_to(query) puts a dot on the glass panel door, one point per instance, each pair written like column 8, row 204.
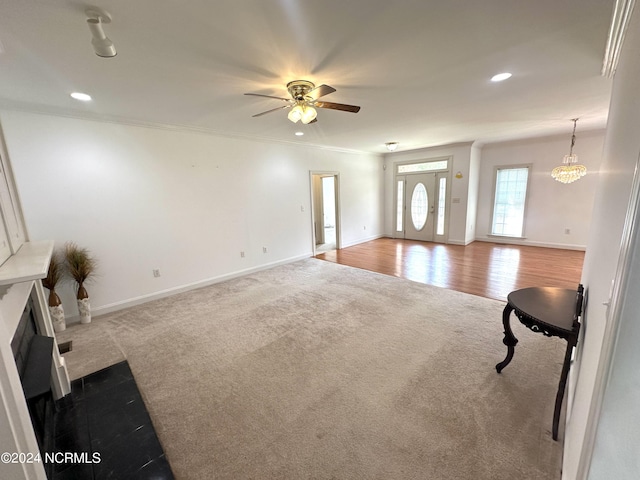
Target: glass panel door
column 420, row 202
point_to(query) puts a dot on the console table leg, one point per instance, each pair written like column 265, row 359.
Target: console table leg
column 509, row 339
column 562, row 387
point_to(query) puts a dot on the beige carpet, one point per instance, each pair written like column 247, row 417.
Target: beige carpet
column 315, row 370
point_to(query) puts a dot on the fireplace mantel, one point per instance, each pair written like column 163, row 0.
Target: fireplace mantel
column 29, row 263
column 20, row 281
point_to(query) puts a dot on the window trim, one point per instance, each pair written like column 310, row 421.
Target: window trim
column 522, row 235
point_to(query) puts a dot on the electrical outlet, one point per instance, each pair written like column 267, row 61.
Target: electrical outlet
column 365, row 227
column 264, row 249
column 156, row 272
column 302, row 208
column 241, row 254
column 567, row 231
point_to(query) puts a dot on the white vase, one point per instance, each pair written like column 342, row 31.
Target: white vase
column 84, row 308
column 57, row 318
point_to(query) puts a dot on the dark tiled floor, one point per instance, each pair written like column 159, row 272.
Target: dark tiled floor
column 104, row 415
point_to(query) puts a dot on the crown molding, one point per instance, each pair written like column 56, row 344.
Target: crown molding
column 114, row 119
column 619, row 24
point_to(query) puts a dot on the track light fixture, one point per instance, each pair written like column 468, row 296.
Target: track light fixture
column 102, row 45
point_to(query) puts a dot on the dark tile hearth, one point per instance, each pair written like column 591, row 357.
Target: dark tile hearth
column 105, row 415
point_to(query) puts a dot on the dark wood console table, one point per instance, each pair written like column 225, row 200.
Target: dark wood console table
column 554, row 312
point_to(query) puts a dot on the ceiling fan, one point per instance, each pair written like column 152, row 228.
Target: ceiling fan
column 304, row 101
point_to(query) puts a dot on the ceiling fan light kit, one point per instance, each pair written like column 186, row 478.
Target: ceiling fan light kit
column 295, row 114
column 102, row 45
column 309, row 114
column 304, row 101
column 302, row 113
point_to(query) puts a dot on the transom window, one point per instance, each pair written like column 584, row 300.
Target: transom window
column 423, row 166
column 510, row 201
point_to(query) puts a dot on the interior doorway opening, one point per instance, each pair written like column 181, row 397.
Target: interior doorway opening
column 325, row 218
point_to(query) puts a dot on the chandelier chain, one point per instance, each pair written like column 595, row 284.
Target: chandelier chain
column 573, row 135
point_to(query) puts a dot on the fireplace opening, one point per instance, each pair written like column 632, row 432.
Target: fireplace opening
column 33, row 356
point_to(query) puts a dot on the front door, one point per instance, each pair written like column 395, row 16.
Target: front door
column 419, row 202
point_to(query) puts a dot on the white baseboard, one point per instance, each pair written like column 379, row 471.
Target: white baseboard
column 459, row 242
column 114, row 307
column 362, row 240
column 531, row 243
column 448, row 242
column 131, row 302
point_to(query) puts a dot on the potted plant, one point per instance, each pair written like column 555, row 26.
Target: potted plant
column 80, row 266
column 54, row 274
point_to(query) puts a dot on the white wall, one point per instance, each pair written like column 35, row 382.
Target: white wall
column 618, row 441
column 552, row 207
column 472, row 199
column 459, row 187
column 183, row 202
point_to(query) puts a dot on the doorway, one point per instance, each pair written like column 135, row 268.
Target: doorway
column 324, row 187
column 421, row 201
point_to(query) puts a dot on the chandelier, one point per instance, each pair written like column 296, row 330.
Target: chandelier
column 570, row 171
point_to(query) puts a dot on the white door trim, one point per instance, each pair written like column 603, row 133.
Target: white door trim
column 403, row 177
column 630, row 236
column 336, row 175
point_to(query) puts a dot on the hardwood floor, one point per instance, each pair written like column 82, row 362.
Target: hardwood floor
column 481, row 268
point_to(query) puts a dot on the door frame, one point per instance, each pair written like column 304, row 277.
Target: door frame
column 440, row 173
column 336, row 176
column 428, row 180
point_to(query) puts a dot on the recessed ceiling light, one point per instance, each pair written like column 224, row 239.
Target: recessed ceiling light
column 500, row 77
column 83, row 97
column 299, row 134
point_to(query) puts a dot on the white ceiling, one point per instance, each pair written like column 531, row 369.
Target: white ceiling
column 419, row 69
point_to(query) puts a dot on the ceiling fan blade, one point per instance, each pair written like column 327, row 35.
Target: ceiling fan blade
column 337, row 106
column 320, row 91
column 268, row 96
column 270, row 111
